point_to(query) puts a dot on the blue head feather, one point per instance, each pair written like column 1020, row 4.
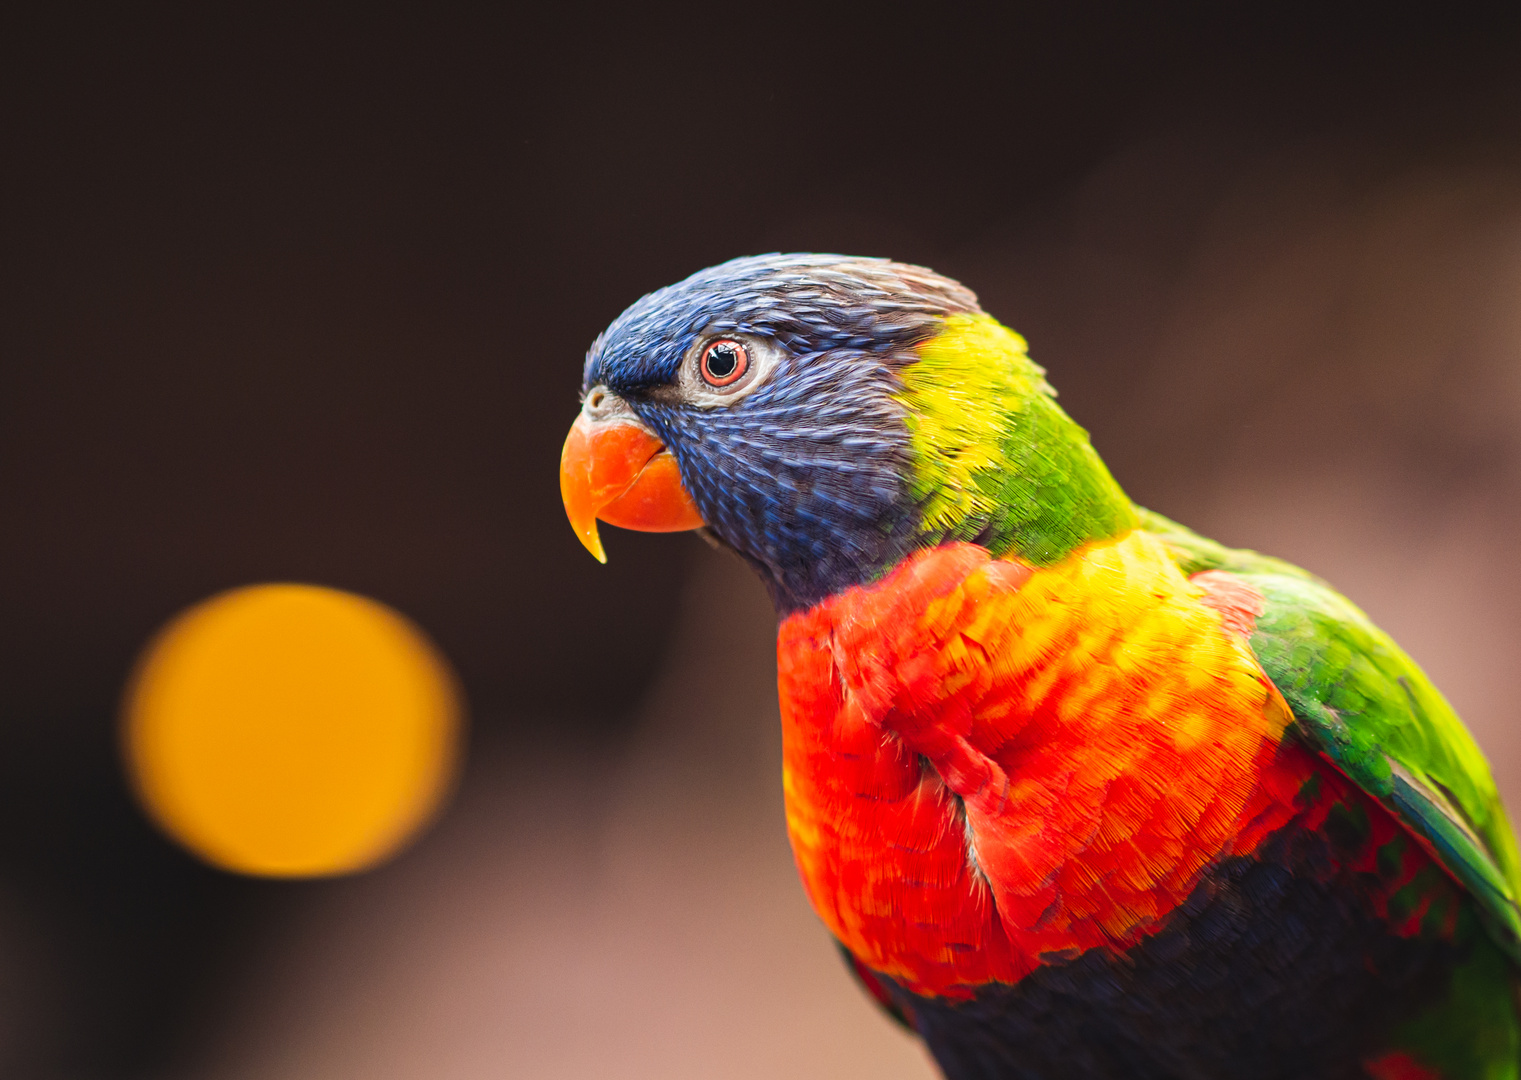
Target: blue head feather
column 806, row 476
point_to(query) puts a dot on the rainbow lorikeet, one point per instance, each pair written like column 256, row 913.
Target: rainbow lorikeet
column 1079, row 792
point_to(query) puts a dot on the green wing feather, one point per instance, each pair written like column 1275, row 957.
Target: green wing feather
column 1365, row 705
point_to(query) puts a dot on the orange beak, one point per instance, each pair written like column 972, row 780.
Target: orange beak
column 617, row 470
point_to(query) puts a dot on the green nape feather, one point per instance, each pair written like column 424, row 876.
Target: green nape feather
column 996, row 460
column 1364, row 704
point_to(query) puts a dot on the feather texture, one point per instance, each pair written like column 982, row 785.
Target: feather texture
column 1080, row 793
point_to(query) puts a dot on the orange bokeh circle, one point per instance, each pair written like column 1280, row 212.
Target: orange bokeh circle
column 292, row 730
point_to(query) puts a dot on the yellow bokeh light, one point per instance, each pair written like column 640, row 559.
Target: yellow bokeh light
column 291, row 730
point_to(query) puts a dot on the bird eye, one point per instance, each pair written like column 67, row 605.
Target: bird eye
column 724, row 363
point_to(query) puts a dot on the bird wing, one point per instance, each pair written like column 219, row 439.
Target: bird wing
column 1364, row 705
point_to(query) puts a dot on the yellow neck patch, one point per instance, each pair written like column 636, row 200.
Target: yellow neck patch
column 995, row 458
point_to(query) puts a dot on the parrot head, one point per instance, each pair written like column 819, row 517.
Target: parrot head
column 824, row 416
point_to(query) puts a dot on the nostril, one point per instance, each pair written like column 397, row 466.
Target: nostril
column 595, row 399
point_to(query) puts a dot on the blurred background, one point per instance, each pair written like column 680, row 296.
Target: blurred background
column 292, row 297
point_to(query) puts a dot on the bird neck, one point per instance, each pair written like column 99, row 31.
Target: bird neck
column 995, row 460
column 984, row 456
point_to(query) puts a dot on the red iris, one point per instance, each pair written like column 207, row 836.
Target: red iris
column 724, row 362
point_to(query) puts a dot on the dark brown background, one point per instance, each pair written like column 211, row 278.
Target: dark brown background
column 289, row 296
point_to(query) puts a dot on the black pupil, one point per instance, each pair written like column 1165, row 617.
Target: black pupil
column 722, row 360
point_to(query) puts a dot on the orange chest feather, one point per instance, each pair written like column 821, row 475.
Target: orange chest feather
column 987, row 765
